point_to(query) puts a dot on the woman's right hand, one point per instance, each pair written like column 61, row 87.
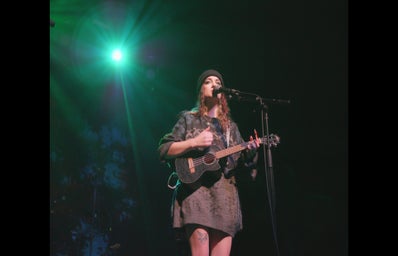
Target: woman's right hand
column 204, row 139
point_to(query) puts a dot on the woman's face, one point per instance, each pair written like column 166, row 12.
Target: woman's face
column 208, row 85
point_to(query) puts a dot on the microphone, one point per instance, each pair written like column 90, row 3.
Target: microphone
column 227, row 91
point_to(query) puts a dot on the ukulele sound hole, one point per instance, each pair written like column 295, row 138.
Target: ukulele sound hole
column 209, row 159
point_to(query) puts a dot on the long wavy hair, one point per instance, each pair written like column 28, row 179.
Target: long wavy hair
column 223, row 114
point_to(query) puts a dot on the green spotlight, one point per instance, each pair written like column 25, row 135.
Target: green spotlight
column 117, row 55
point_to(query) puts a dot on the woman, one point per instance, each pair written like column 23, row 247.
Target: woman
column 206, row 203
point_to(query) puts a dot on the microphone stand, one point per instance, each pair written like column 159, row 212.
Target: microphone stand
column 250, row 97
column 269, row 173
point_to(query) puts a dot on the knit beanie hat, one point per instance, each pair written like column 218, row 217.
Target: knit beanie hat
column 205, row 74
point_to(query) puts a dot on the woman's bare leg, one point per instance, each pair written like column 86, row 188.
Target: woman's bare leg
column 199, row 242
column 220, row 243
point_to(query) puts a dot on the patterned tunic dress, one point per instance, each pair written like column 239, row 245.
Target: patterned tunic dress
column 212, row 200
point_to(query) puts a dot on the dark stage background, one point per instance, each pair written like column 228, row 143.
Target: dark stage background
column 108, row 190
